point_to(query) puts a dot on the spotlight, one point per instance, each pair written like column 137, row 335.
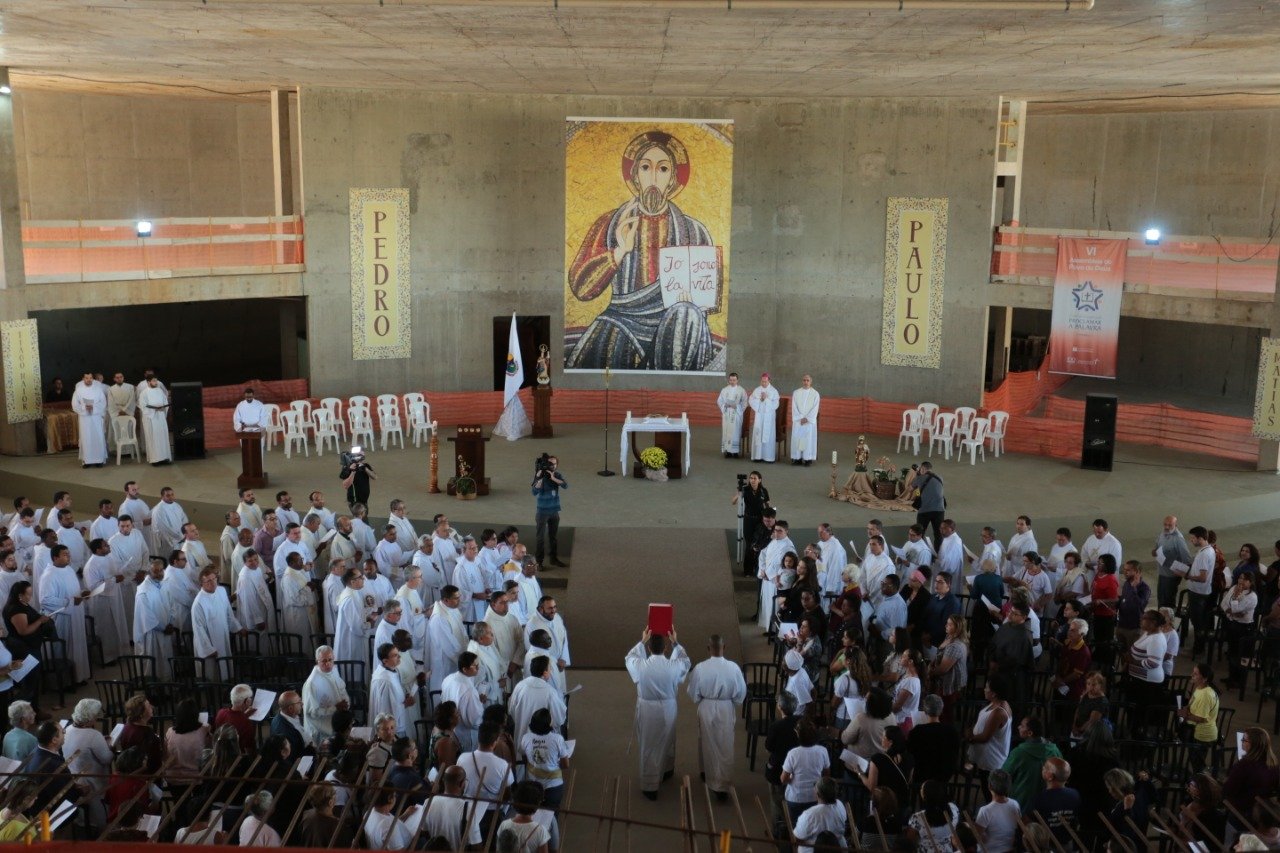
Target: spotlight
column 144, row 228
column 4, row 89
column 1152, row 236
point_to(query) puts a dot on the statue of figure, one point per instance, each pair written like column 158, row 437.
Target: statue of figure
column 544, row 365
column 861, row 454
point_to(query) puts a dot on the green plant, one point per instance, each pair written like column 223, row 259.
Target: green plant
column 464, row 483
column 653, row 458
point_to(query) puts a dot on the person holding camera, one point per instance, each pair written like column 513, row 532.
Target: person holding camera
column 356, row 474
column 547, row 483
column 930, row 504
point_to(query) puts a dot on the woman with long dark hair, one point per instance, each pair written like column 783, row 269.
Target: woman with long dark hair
column 933, row 827
column 1253, row 777
column 755, row 500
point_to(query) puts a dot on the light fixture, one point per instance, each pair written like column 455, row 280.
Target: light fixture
column 144, row 228
column 1152, row 236
column 4, row 89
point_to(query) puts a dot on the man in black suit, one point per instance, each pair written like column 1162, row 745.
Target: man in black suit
column 288, row 724
column 48, row 769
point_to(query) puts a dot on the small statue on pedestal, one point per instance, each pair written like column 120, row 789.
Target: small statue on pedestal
column 861, row 454
column 544, row 365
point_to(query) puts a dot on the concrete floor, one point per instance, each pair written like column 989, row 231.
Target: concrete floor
column 1240, row 503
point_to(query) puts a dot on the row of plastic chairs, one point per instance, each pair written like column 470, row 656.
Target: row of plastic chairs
column 300, row 423
column 962, row 430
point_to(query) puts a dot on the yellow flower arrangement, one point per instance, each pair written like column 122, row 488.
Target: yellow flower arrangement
column 653, row 458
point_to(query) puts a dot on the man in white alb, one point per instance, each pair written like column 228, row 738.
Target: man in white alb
column 992, row 549
column 447, row 635
column 122, row 402
column 390, row 556
column 253, row 599
column 154, row 403
column 285, row 513
column 107, row 607
column 323, row 694
column 1022, row 541
column 321, row 511
column 62, row 598
column 717, row 687
column 535, row 692
column 136, row 508
column 70, row 536
column 156, row 619
column 212, row 624
column 129, row 550
column 249, row 511
column 168, row 517
column 90, row 402
column 1101, row 542
column 228, row 541
column 547, row 618
column 250, row 414
column 197, row 555
column 183, row 586
column 386, row 692
column 104, row 524
column 951, row 550
column 764, row 426
column 406, row 536
column 292, row 544
column 732, row 403
column 657, row 677
column 804, row 422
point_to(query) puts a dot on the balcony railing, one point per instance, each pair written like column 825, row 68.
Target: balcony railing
column 111, row 250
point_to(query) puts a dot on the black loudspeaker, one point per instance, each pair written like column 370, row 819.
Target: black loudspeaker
column 186, row 404
column 1098, row 450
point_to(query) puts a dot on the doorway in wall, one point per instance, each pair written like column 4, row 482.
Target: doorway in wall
column 533, row 332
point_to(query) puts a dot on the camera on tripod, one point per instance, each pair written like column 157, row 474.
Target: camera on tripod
column 742, row 482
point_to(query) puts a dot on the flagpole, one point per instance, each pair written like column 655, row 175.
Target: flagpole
column 606, row 472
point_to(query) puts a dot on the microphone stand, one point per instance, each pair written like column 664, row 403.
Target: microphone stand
column 606, row 472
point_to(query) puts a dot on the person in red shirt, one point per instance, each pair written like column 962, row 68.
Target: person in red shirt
column 237, row 716
column 1073, row 662
column 1106, row 597
column 138, row 732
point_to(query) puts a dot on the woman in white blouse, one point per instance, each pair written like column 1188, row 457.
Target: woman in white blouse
column 1146, row 665
column 89, row 758
column 906, row 693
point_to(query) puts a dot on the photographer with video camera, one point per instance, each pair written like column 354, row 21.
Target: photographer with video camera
column 927, row 498
column 356, row 474
column 547, row 483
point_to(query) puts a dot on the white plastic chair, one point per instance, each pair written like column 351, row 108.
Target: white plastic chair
column 389, row 422
column 910, row 430
column 325, row 428
column 998, row 422
column 420, row 422
column 928, row 418
column 944, row 432
column 303, row 408
column 408, row 401
column 293, row 432
column 274, row 427
column 333, row 406
column 361, row 426
column 126, row 432
column 964, row 419
column 388, row 400
column 975, row 443
column 359, row 401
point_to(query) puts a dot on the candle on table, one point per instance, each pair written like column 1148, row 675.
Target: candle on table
column 833, row 457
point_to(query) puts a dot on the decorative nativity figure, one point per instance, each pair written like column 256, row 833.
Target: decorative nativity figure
column 543, row 365
column 861, row 454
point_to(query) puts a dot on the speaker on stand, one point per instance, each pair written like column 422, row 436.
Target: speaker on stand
column 1097, row 453
column 186, row 404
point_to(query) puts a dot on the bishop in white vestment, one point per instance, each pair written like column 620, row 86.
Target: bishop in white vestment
column 657, row 678
column 805, row 401
column 764, row 426
column 732, row 402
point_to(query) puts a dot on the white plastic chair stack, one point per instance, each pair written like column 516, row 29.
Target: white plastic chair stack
column 274, row 426
column 420, row 422
column 964, row 420
column 976, row 441
column 126, row 431
column 303, row 408
column 407, row 402
column 911, row 426
column 361, row 426
column 928, row 419
column 294, row 432
column 944, row 432
column 389, row 422
column 333, row 406
column 999, row 422
column 326, row 428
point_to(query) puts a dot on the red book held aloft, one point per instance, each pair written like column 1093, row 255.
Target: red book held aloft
column 661, row 618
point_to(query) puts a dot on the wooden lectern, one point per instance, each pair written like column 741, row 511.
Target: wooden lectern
column 542, row 411
column 469, row 444
column 251, row 474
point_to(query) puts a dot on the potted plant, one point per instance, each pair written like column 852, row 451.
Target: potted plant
column 654, row 460
column 464, row 485
column 886, row 478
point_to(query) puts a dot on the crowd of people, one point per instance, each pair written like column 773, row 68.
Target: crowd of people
column 1010, row 695
column 430, row 715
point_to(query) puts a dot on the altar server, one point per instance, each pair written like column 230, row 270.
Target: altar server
column 764, row 437
column 732, row 402
column 657, row 676
column 154, row 402
column 155, row 620
column 169, row 518
column 253, row 600
column 212, row 624
column 90, row 402
column 717, row 687
column 107, row 608
column 62, row 597
column 351, row 627
column 805, row 401
column 447, row 637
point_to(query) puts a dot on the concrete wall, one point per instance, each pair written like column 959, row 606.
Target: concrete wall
column 94, row 156
column 810, row 185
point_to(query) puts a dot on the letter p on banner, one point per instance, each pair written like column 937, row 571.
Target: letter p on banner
column 381, row 324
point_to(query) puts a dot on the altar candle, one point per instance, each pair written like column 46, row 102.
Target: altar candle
column 833, row 457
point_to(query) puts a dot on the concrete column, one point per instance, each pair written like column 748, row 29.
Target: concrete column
column 1268, row 450
column 15, row 439
column 281, row 146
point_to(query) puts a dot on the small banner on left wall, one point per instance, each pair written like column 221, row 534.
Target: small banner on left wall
column 380, row 317
column 1266, row 403
column 22, row 397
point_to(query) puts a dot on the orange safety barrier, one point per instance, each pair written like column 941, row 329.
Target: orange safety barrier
column 1165, row 425
column 1022, row 392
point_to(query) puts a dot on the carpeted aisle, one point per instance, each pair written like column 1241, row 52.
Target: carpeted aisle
column 617, row 572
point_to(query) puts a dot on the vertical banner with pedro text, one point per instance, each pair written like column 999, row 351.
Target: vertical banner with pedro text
column 1087, row 290
column 21, row 346
column 1266, row 402
column 380, row 319
column 915, row 255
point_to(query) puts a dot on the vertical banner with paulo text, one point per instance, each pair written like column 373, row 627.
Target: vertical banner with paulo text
column 380, row 318
column 1087, row 290
column 1266, row 402
column 22, row 393
column 915, row 258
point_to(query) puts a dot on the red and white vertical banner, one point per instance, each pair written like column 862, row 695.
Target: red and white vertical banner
column 1086, row 306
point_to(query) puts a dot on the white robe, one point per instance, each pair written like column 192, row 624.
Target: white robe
column 1019, row 544
column 447, row 552
column 391, row 560
column 167, row 520
column 508, row 636
column 197, row 557
column 382, row 634
column 951, row 556
column 468, row 577
column 559, row 636
column 406, row 536
column 408, row 672
column 731, row 402
column 58, row 588
column 770, row 569
column 414, row 620
column 492, row 671
column 321, row 694
column 74, row 540
column 834, row 560
column 122, row 399
column 530, row 593
column 297, row 606
column 461, row 689
column 137, row 509
column 131, row 556
column 327, row 518
column 25, row 540
column 716, row 686
column 153, row 611
column 351, row 629
column 557, row 674
column 250, row 515
column 874, row 570
column 764, row 427
column 657, row 679
column 344, row 548
column 254, row 605
column 432, row 576
column 287, row 517
column 533, row 694
column 228, row 542
column 804, row 437
column 447, row 640
column 183, row 590
column 1093, row 547
column 362, row 534
column 332, row 589
column 103, row 528
column 157, row 421
column 280, row 559
column 212, row 623
column 109, row 620
column 386, row 696
column 90, row 403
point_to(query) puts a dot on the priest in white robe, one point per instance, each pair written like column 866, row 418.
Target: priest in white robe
column 197, row 555
column 212, row 624
column 657, row 677
column 90, row 402
column 764, row 427
column 156, row 620
column 459, row 687
column 136, row 508
column 377, row 589
column 244, row 544
column 391, row 621
column 446, row 549
column 343, row 545
column 122, row 402
column 468, row 577
column 540, row 645
column 1021, row 542
column 168, row 518
column 25, row 538
column 253, row 600
column 391, row 558
column 732, row 402
column 535, row 692
column 530, row 591
column 351, row 628
column 769, row 572
column 249, row 511
column 508, row 634
column 876, row 566
column 323, row 694
column 104, row 523
column 386, row 693
column 107, row 607
column 318, row 509
column 60, row 590
column 182, row 588
column 298, row 602
column 406, row 536
column 412, row 679
column 491, row 679
column 331, row 591
column 414, row 610
column 228, row 541
column 129, row 550
column 154, row 403
column 547, row 618
column 834, row 558
column 805, row 401
column 430, row 568
column 447, row 636
column 70, row 536
column 717, row 687
column 362, row 533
